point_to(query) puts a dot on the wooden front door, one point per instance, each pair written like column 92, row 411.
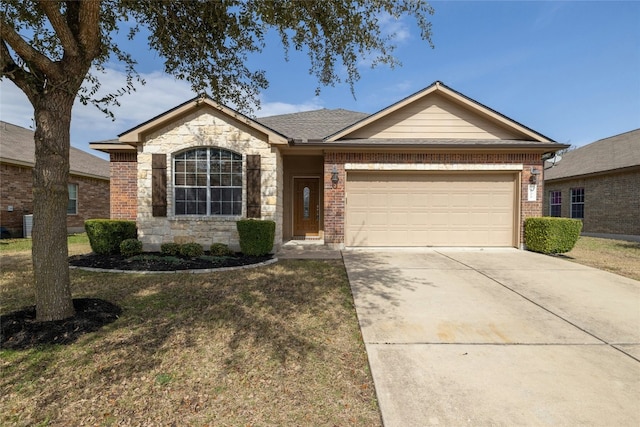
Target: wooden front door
column 306, row 206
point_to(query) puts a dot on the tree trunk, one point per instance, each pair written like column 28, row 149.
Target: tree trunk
column 50, row 198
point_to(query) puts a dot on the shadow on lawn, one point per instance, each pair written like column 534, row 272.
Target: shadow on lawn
column 274, row 308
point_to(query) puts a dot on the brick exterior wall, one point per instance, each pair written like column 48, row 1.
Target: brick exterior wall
column 334, row 196
column 123, row 168
column 16, row 191
column 611, row 201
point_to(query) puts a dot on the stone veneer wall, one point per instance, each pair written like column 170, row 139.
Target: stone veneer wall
column 334, row 203
column 205, row 128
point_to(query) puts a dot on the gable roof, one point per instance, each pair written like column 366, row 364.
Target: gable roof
column 135, row 135
column 613, row 153
column 312, row 125
column 17, row 147
column 449, row 94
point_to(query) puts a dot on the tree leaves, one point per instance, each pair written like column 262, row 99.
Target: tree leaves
column 206, row 43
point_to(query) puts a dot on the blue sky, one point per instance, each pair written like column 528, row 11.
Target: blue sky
column 567, row 69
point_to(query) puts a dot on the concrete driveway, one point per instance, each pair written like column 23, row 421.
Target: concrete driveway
column 497, row 337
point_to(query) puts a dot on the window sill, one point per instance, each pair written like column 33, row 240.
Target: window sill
column 223, row 218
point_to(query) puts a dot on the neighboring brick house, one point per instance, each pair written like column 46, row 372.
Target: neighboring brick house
column 88, row 182
column 434, row 169
column 598, row 183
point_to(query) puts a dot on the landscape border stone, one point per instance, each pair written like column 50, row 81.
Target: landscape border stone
column 195, row 271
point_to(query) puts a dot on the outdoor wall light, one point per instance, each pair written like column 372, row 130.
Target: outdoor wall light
column 533, row 179
column 334, row 176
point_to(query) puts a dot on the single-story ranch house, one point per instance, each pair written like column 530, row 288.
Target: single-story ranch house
column 88, row 183
column 598, row 183
column 434, row 169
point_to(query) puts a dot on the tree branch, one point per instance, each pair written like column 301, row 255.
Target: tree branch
column 89, row 32
column 28, row 54
column 15, row 73
column 51, row 9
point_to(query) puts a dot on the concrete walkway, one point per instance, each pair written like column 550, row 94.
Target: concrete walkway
column 497, row 337
column 307, row 249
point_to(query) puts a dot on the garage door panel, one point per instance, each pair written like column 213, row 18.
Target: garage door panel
column 430, row 209
column 399, row 219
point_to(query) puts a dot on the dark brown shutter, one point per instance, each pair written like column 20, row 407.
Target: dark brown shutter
column 159, row 184
column 253, row 186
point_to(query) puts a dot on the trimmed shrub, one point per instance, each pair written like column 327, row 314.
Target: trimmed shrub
column 105, row 235
column 220, row 249
column 170, row 249
column 191, row 250
column 550, row 235
column 256, row 236
column 131, row 247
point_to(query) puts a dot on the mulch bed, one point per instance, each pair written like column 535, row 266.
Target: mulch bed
column 156, row 261
column 19, row 329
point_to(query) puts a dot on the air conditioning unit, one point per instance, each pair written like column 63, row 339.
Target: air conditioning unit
column 27, row 225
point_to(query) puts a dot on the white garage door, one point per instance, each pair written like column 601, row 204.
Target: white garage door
column 430, row 209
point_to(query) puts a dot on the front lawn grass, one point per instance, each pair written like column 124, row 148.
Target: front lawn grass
column 276, row 345
column 77, row 244
column 617, row 256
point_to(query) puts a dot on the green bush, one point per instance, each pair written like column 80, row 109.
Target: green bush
column 170, row 249
column 220, row 249
column 191, row 250
column 131, row 247
column 549, row 235
column 256, row 236
column 105, row 235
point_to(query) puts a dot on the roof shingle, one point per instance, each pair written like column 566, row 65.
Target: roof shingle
column 17, row 146
column 616, row 152
column 316, row 124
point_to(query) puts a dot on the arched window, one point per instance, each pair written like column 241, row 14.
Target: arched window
column 207, row 181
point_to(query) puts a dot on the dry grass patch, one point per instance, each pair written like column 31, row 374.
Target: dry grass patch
column 276, row 345
column 616, row 256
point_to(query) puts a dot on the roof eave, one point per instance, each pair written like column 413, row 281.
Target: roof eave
column 594, row 174
column 111, row 147
column 136, row 134
column 543, row 148
column 74, row 172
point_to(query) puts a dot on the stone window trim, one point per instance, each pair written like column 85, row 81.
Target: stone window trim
column 162, row 196
column 72, row 205
column 577, row 203
column 207, row 182
column 555, row 203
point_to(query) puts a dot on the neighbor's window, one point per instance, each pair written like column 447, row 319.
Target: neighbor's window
column 555, row 203
column 72, row 205
column 207, row 181
column 577, row 203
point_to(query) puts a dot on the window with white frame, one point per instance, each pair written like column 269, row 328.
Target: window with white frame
column 72, row 205
column 555, row 203
column 577, row 203
column 207, row 182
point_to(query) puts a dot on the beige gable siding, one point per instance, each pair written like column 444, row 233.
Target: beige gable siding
column 435, row 116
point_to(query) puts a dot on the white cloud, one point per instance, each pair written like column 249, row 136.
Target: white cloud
column 276, row 108
column 160, row 93
column 395, row 28
column 14, row 105
column 89, row 124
